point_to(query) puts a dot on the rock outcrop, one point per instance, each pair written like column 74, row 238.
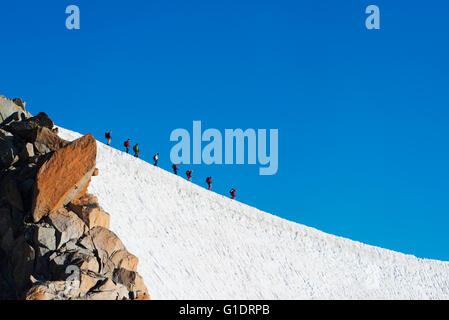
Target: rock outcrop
column 12, row 110
column 55, row 241
column 63, row 176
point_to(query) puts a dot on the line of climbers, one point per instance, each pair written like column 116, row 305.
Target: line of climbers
column 156, row 158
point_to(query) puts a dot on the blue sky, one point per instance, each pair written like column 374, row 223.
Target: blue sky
column 362, row 114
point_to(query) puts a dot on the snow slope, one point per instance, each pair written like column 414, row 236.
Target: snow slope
column 195, row 244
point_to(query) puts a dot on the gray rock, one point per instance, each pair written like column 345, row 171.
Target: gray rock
column 8, row 152
column 86, row 261
column 30, row 129
column 11, row 111
column 27, row 151
column 45, row 237
column 61, row 259
column 68, row 225
column 70, row 246
column 105, row 291
column 87, row 242
column 20, row 103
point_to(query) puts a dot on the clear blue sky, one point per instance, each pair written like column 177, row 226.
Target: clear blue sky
column 362, row 115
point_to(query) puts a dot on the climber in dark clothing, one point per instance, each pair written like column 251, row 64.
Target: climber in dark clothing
column 155, row 158
column 107, row 135
column 175, row 168
column 232, row 192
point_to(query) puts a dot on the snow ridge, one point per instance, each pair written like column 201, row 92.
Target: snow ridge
column 196, row 244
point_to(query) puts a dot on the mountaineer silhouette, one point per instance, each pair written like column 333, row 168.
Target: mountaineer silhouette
column 107, row 135
column 136, row 150
column 209, row 182
column 189, row 175
column 126, row 144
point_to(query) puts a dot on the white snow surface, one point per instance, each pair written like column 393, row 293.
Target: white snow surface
column 196, row 244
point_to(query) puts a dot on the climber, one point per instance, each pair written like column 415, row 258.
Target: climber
column 209, row 182
column 108, row 137
column 189, row 175
column 232, row 192
column 126, row 144
column 155, row 158
column 136, row 150
column 175, row 168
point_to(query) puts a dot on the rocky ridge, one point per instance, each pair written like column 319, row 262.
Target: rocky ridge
column 55, row 241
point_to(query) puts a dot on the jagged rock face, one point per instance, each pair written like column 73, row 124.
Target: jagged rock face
column 87, row 208
column 55, row 241
column 46, row 141
column 61, row 178
column 12, row 110
column 8, row 152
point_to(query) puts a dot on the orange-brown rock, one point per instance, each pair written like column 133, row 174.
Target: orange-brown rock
column 37, row 293
column 87, row 282
column 49, row 290
column 124, row 259
column 96, row 217
column 90, row 263
column 86, row 199
column 143, row 296
column 106, row 240
column 83, row 191
column 140, row 289
column 132, row 280
column 63, row 176
column 88, row 209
